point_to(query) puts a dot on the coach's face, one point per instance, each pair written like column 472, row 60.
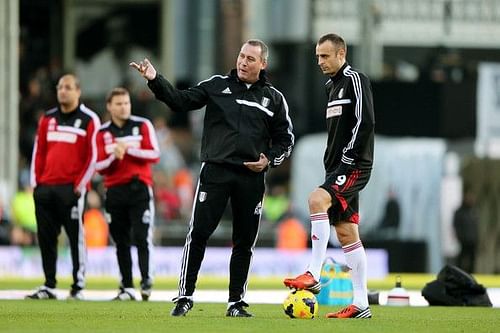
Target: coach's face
column 330, row 59
column 68, row 93
column 250, row 63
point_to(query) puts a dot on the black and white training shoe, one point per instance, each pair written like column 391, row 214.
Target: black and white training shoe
column 182, row 306
column 125, row 294
column 43, row 292
column 75, row 294
column 145, row 294
column 238, row 310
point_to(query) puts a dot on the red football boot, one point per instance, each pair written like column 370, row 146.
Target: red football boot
column 352, row 311
column 304, row 281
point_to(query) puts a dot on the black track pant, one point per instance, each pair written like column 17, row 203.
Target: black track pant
column 218, row 183
column 131, row 209
column 56, row 206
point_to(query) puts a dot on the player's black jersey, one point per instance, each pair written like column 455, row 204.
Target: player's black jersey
column 241, row 121
column 350, row 120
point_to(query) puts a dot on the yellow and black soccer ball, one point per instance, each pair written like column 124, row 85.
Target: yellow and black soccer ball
column 301, row 304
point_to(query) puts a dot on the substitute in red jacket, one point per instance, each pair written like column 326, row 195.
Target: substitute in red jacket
column 63, row 163
column 127, row 146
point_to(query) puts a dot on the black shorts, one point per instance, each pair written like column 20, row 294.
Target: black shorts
column 344, row 190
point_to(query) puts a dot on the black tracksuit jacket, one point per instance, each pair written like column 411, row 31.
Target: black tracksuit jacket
column 350, row 121
column 240, row 122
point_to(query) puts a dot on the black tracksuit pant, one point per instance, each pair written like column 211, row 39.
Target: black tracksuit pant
column 56, row 206
column 131, row 209
column 218, row 183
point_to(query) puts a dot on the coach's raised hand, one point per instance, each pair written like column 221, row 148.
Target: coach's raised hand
column 145, row 68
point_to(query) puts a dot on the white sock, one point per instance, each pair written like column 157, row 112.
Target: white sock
column 320, row 234
column 355, row 257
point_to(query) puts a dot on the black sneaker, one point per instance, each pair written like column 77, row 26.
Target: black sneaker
column 182, row 306
column 238, row 310
column 43, row 293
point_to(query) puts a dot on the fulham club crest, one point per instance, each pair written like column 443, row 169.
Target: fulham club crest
column 78, row 123
column 341, row 93
column 265, row 102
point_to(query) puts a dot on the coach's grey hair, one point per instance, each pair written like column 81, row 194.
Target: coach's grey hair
column 264, row 50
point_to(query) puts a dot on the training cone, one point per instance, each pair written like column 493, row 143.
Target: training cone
column 398, row 296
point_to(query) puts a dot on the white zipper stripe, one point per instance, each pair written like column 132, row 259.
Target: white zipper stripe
column 104, row 164
column 90, row 169
column 213, row 77
column 340, row 101
column 358, row 107
column 278, row 160
column 187, row 245
column 82, row 249
column 255, row 105
column 71, row 129
column 149, row 239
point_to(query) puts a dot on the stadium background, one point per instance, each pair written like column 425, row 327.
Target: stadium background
column 426, row 59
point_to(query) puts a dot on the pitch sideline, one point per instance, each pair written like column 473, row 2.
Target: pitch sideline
column 220, row 296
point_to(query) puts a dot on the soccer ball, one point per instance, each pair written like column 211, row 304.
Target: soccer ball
column 301, row 304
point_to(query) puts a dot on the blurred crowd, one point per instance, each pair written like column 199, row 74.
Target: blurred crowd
column 174, row 180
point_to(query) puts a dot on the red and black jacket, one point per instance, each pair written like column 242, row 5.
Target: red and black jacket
column 65, row 148
column 143, row 150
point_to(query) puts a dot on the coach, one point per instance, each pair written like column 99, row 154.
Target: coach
column 246, row 129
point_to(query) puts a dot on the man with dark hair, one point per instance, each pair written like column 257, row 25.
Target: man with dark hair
column 348, row 162
column 63, row 163
column 127, row 146
column 246, row 130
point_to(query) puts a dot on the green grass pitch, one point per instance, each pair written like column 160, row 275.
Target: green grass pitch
column 123, row 317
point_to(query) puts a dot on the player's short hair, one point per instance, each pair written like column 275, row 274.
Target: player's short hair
column 264, row 50
column 336, row 40
column 116, row 92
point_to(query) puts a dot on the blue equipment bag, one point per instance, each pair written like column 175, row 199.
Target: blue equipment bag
column 336, row 284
